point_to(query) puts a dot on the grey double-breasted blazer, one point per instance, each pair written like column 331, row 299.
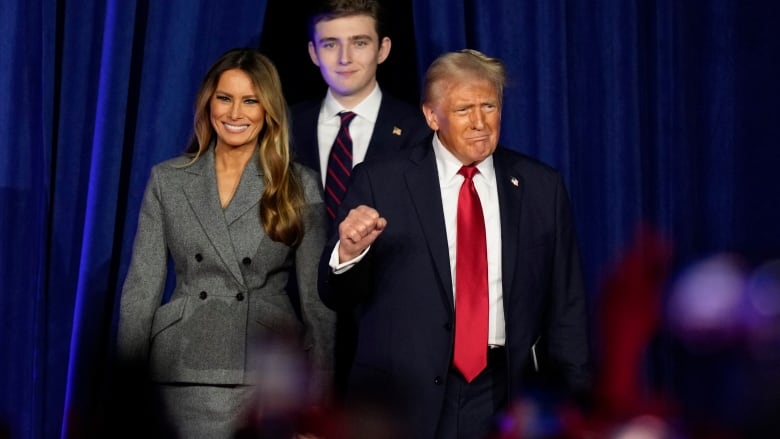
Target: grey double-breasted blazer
column 230, row 278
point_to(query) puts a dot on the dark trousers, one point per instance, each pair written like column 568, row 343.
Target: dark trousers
column 345, row 345
column 471, row 409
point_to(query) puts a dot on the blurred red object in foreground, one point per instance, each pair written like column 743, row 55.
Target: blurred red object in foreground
column 629, row 318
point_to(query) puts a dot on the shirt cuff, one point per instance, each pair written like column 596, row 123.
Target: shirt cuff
column 339, row 268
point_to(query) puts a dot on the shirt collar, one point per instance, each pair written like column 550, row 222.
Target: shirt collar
column 368, row 108
column 449, row 165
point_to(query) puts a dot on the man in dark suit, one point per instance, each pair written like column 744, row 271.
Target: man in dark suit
column 415, row 243
column 348, row 43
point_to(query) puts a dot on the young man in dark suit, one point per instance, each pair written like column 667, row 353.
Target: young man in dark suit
column 461, row 259
column 347, row 43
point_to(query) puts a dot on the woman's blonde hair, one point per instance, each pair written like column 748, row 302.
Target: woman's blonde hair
column 283, row 198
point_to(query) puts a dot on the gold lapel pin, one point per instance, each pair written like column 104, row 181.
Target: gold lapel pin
column 396, row 131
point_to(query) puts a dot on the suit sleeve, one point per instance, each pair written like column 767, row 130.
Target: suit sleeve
column 145, row 281
column 344, row 291
column 319, row 321
column 567, row 342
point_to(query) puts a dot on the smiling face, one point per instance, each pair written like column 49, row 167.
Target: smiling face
column 465, row 112
column 348, row 50
column 236, row 113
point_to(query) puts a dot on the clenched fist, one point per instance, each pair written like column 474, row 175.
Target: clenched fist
column 359, row 229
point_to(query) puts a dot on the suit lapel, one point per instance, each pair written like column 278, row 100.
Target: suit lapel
column 247, row 196
column 387, row 136
column 510, row 185
column 423, row 185
column 204, row 201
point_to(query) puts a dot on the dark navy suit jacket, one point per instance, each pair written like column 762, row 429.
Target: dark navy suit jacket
column 398, row 125
column 402, row 289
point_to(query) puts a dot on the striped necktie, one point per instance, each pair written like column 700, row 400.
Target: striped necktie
column 339, row 166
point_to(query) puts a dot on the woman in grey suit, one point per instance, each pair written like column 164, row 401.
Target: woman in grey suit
column 237, row 218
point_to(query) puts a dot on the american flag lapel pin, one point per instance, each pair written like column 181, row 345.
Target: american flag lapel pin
column 396, row 131
column 515, row 182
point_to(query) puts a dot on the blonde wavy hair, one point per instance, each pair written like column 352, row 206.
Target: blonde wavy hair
column 283, row 198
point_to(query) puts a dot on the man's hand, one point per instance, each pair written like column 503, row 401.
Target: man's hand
column 359, row 229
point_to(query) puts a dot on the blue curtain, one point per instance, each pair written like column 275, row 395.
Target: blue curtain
column 93, row 95
column 659, row 112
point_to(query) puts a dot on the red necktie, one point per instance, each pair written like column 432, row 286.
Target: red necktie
column 339, row 165
column 471, row 285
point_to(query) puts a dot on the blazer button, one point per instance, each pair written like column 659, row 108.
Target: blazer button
column 203, row 295
column 246, row 261
column 198, row 257
column 437, row 381
column 240, row 296
column 448, row 326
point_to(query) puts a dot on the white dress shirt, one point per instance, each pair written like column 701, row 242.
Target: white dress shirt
column 449, row 183
column 360, row 129
column 485, row 183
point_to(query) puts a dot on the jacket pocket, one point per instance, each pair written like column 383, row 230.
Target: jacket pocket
column 278, row 321
column 167, row 315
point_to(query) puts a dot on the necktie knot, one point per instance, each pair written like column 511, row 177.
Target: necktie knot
column 346, row 118
column 468, row 171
